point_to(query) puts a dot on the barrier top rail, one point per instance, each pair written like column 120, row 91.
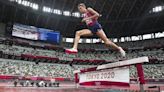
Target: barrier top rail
column 120, row 63
column 124, row 63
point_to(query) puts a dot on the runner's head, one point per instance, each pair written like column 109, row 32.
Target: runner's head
column 82, row 7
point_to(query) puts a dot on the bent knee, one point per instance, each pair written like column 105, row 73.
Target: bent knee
column 79, row 33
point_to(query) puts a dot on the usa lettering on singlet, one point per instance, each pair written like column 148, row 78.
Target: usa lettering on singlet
column 89, row 22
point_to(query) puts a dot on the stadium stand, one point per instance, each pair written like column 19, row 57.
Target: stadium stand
column 26, row 68
column 107, row 55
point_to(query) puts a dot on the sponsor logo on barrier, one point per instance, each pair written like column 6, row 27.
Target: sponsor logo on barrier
column 111, row 75
column 102, row 75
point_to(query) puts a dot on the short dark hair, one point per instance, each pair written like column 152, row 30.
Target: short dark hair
column 81, row 4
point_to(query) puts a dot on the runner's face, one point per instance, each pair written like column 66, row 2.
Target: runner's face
column 82, row 9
